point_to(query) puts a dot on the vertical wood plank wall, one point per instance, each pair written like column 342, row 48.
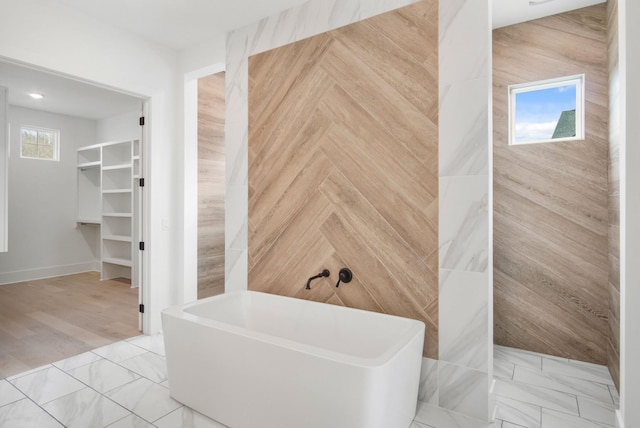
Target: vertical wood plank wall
column 211, row 167
column 613, row 345
column 550, row 200
column 343, row 166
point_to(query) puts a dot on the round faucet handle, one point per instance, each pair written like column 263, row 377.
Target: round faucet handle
column 345, row 275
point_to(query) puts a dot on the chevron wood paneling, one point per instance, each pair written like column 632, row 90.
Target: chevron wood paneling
column 343, row 166
column 211, row 115
column 550, row 200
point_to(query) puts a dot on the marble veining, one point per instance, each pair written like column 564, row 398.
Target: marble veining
column 131, row 421
column 148, row 365
column 540, row 396
column 185, row 417
column 464, row 241
column 9, row 393
column 529, row 406
column 77, row 361
column 517, row 357
column 428, row 391
column 46, row 385
column 153, row 343
column 519, row 413
column 464, row 321
column 103, row 375
column 145, row 398
column 577, row 369
column 562, row 383
column 437, row 417
column 119, row 351
column 464, row 123
column 85, row 408
column 23, row 374
column 464, row 31
column 556, row 419
column 463, row 390
column 25, row 413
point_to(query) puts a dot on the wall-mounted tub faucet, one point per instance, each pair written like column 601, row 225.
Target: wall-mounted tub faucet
column 345, row 276
column 325, row 273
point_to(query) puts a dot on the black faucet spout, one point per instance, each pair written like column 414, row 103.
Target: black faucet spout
column 325, row 273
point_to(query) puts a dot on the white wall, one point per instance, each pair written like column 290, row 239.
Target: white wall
column 44, row 237
column 629, row 33
column 3, row 168
column 70, row 42
column 122, row 127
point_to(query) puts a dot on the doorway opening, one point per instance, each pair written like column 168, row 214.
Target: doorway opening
column 75, row 223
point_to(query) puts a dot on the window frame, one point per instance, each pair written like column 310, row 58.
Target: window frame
column 56, row 148
column 577, row 80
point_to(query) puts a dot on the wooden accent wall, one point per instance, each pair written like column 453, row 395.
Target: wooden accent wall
column 211, row 114
column 343, row 166
column 613, row 345
column 550, row 200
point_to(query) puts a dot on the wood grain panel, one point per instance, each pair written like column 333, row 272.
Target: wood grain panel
column 343, row 166
column 550, row 200
column 211, row 114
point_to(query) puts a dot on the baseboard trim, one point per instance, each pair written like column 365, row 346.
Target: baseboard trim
column 48, row 272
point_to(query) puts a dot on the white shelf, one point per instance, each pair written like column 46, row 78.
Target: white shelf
column 107, row 197
column 121, row 238
column 114, row 261
column 116, row 167
column 88, row 221
column 87, row 165
column 117, row 191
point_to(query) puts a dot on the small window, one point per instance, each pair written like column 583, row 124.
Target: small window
column 39, row 143
column 547, row 111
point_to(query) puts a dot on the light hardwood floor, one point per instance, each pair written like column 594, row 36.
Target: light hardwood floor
column 50, row 319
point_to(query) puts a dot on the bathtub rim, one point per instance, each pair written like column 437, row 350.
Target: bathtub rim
column 416, row 330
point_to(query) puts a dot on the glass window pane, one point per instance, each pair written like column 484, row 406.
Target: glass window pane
column 45, row 152
column 45, row 138
column 29, row 136
column 39, row 143
column 547, row 110
column 538, row 113
column 30, row 150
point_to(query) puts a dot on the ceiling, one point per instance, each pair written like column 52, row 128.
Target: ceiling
column 62, row 95
column 509, row 12
column 181, row 23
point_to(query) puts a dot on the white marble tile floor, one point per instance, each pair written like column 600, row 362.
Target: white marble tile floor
column 125, row 386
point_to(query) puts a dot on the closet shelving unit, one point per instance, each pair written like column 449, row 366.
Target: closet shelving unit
column 88, row 198
column 106, row 176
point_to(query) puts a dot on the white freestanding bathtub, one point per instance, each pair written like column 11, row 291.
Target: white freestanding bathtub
column 256, row 360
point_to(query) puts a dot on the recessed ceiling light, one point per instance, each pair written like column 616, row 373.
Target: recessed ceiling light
column 36, row 96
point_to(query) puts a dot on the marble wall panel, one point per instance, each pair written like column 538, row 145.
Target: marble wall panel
column 464, row 321
column 463, row 119
column 465, row 222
